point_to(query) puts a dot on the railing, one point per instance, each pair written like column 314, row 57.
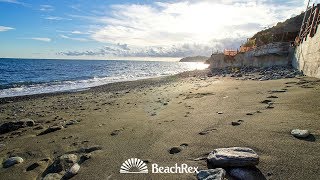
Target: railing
column 311, row 25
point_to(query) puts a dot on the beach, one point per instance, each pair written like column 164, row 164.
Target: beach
column 144, row 119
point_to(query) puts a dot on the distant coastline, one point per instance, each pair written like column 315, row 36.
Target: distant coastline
column 194, row 59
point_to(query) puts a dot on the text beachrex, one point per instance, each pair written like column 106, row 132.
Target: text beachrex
column 135, row 165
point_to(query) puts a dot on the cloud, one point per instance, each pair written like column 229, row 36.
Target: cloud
column 75, row 39
column 187, row 21
column 4, row 28
column 182, row 28
column 56, row 18
column 79, row 32
column 15, row 2
column 174, row 51
column 40, row 39
column 46, row 7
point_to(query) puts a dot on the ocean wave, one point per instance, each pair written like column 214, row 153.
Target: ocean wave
column 95, row 76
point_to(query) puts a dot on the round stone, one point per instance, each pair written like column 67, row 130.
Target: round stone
column 12, row 161
column 300, row 133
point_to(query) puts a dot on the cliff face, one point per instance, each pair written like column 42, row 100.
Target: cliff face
column 194, row 59
column 274, row 54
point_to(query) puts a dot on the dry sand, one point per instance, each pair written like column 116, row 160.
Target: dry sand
column 151, row 116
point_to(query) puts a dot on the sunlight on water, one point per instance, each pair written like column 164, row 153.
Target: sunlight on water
column 196, row 65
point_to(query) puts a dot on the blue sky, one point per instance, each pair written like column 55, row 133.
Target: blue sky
column 133, row 29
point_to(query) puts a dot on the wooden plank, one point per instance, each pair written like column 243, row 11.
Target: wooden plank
column 307, row 29
column 314, row 19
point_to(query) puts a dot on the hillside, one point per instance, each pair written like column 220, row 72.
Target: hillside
column 284, row 31
column 194, row 59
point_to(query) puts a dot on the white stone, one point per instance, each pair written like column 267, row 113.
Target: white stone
column 73, row 170
column 300, row 133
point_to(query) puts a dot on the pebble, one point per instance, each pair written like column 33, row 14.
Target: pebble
column 256, row 73
column 53, row 176
column 300, row 133
column 12, row 161
column 211, row 174
column 69, row 158
column 233, row 157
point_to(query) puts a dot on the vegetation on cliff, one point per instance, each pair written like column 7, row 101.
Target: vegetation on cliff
column 194, row 59
column 282, row 32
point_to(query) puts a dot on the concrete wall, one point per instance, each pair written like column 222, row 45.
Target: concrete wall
column 264, row 56
column 307, row 56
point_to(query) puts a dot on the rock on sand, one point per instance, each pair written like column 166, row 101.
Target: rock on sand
column 233, row 157
column 300, row 133
column 212, row 174
column 12, row 161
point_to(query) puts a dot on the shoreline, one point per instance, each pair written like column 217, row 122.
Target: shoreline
column 115, row 86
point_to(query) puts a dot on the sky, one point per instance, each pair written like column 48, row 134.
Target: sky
column 134, row 29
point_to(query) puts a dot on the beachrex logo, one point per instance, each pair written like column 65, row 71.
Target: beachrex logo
column 135, row 165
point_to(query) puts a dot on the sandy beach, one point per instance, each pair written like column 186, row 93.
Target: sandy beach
column 144, row 119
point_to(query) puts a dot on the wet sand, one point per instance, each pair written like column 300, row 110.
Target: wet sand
column 144, row 119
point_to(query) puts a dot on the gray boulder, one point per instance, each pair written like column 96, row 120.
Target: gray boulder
column 62, row 163
column 245, row 173
column 211, row 174
column 233, row 157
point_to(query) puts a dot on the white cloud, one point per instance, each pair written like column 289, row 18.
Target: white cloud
column 187, row 22
column 182, row 28
column 73, row 38
column 40, row 39
column 4, row 28
column 46, row 7
column 56, row 18
column 15, row 2
column 79, row 32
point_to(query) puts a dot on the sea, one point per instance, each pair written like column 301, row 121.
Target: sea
column 20, row 77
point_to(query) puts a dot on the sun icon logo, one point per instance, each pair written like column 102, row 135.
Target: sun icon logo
column 134, row 165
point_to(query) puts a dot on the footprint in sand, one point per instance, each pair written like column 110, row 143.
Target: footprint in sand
column 237, row 123
column 204, row 132
column 116, row 132
column 178, row 149
column 272, row 97
column 266, row 101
